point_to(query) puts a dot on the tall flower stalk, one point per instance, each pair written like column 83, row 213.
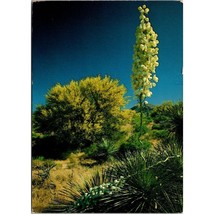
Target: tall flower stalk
column 145, row 60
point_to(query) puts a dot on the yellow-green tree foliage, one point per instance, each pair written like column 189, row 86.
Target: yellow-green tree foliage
column 84, row 112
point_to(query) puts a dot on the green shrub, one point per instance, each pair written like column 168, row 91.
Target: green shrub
column 101, row 152
column 133, row 146
column 126, row 147
column 160, row 134
column 168, row 117
column 91, row 150
column 41, row 158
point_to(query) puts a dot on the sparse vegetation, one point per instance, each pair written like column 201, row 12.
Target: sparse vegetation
column 152, row 172
column 90, row 154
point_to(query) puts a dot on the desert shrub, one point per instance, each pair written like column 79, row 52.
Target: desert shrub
column 91, row 150
column 133, row 145
column 101, row 151
column 73, row 159
column 43, row 187
column 168, row 117
column 40, row 158
column 160, row 134
column 41, row 172
column 127, row 147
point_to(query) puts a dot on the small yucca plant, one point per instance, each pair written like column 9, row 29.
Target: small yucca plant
column 74, row 198
column 153, row 182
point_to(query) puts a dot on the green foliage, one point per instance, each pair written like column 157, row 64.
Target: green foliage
column 84, row 112
column 133, row 145
column 41, row 158
column 168, row 119
column 141, row 182
column 88, row 114
column 89, row 200
column 153, row 182
column 146, row 111
column 101, row 151
column 160, row 134
column 74, row 198
column 136, row 121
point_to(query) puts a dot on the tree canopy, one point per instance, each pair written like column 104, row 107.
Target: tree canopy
column 83, row 112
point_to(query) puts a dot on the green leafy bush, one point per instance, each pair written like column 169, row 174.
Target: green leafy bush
column 133, row 145
column 160, row 134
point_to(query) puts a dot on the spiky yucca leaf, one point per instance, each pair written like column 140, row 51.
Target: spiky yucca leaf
column 139, row 182
column 75, row 198
column 154, row 182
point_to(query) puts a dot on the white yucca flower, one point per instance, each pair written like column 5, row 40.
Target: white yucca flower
column 155, row 78
column 145, row 56
column 146, row 10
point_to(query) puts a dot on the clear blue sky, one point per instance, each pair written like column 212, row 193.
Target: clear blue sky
column 72, row 40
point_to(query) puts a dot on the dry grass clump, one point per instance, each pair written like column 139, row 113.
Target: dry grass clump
column 41, row 197
column 64, row 170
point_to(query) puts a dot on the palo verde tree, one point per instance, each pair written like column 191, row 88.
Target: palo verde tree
column 145, row 60
column 84, row 112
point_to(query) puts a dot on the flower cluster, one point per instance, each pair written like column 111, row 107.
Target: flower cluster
column 90, row 198
column 145, row 57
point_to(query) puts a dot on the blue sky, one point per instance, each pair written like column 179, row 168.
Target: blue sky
column 72, row 40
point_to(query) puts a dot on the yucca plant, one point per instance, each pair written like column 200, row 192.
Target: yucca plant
column 153, row 182
column 140, row 182
column 102, row 151
column 75, row 198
